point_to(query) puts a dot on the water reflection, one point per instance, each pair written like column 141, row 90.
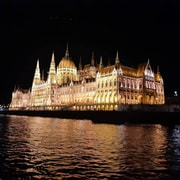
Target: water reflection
column 52, row 148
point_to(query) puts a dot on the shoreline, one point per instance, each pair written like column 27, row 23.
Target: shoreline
column 110, row 117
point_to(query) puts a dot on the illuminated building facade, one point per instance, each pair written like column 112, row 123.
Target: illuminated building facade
column 92, row 87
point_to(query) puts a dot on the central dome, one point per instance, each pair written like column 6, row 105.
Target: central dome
column 66, row 63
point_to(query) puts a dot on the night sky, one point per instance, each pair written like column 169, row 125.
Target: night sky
column 139, row 30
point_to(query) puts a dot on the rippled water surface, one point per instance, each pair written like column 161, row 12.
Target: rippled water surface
column 52, row 148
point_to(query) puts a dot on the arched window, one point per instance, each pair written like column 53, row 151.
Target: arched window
column 106, row 84
column 102, row 84
column 115, row 82
column 110, row 83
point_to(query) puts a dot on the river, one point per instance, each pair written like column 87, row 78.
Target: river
column 53, row 148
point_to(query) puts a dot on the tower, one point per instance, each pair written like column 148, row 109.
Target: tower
column 52, row 71
column 37, row 78
column 67, row 52
column 117, row 61
column 92, row 59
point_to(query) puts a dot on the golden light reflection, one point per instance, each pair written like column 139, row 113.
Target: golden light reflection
column 60, row 145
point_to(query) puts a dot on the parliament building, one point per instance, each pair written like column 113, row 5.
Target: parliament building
column 90, row 87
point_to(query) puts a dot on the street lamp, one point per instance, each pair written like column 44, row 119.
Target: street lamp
column 175, row 93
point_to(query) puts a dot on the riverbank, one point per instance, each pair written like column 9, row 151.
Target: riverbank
column 112, row 117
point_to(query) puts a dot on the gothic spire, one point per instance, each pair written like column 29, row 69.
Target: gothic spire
column 148, row 61
column 92, row 59
column 67, row 52
column 158, row 69
column 117, row 61
column 37, row 78
column 52, row 70
column 37, row 71
column 101, row 63
column 158, row 74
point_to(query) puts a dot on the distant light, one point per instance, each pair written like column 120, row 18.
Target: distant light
column 175, row 93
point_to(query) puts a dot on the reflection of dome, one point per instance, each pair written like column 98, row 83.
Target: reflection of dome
column 66, row 63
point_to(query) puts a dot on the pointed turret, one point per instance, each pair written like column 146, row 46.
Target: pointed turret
column 67, row 52
column 37, row 76
column 148, row 62
column 158, row 69
column 92, row 59
column 148, row 66
column 52, row 71
column 101, row 63
column 158, row 75
column 117, row 61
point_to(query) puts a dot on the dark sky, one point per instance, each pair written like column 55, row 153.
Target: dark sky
column 137, row 29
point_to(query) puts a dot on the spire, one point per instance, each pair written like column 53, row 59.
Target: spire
column 67, row 52
column 158, row 69
column 117, row 61
column 117, row 58
column 148, row 61
column 101, row 63
column 92, row 59
column 52, row 71
column 158, row 75
column 37, row 78
column 80, row 64
column 37, row 72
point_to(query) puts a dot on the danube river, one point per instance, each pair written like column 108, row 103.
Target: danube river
column 53, row 148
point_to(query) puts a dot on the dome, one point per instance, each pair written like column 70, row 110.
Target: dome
column 66, row 63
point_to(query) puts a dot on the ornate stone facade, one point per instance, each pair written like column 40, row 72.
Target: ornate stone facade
column 92, row 87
